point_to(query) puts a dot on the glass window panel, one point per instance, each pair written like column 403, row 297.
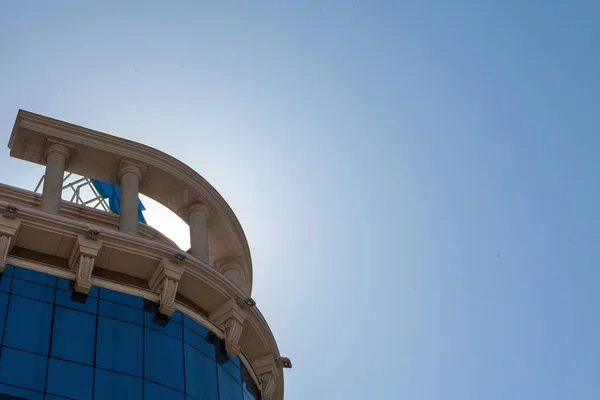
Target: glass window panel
column 113, row 385
column 51, row 397
column 74, row 335
column 18, row 393
column 177, row 317
column 23, row 369
column 9, row 270
column 33, row 290
column 172, row 328
column 65, row 284
column 229, row 388
column 152, row 391
column 121, row 312
column 249, row 394
column 69, row 379
column 121, row 298
column 28, row 325
column 196, row 327
column 3, row 307
column 199, row 342
column 200, row 375
column 63, row 298
column 232, row 365
column 5, row 283
column 250, row 388
column 119, row 346
column 163, row 359
column 34, row 276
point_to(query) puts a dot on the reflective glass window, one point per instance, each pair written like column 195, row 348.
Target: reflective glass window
column 9, row 270
column 113, row 385
column 67, row 285
column 28, row 325
column 250, row 389
column 73, row 335
column 108, row 345
column 19, row 393
column 200, row 374
column 33, row 290
column 3, row 309
column 229, row 364
column 34, row 276
column 199, row 342
column 119, row 346
column 163, row 359
column 5, row 282
column 152, row 391
column 229, row 388
column 70, row 379
column 23, row 369
column 63, row 298
column 172, row 328
column 121, row 312
column 121, row 298
column 194, row 326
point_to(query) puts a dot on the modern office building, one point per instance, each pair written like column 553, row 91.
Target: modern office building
column 98, row 305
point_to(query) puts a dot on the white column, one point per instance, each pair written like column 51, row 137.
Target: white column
column 56, row 156
column 130, row 176
column 197, row 216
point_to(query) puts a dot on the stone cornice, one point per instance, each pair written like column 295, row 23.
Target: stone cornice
column 13, row 195
column 101, row 142
column 153, row 252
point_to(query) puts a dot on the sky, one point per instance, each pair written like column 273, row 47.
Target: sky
column 418, row 180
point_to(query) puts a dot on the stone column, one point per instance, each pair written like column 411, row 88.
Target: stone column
column 197, row 216
column 56, row 155
column 130, row 176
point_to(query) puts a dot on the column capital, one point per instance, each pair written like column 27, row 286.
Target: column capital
column 165, row 281
column 198, row 206
column 126, row 166
column 53, row 146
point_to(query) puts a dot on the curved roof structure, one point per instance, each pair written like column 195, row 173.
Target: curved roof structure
column 86, row 245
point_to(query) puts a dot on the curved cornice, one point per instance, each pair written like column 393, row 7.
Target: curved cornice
column 167, row 180
column 45, row 241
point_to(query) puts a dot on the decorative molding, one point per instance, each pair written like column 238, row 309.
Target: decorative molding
column 29, row 126
column 70, row 226
column 82, row 261
column 267, row 372
column 230, row 317
column 54, row 146
column 198, row 206
column 9, row 228
column 13, row 195
column 235, row 264
column 126, row 166
column 165, row 281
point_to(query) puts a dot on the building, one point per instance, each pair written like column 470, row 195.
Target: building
column 97, row 305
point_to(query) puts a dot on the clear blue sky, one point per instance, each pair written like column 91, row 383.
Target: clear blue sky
column 419, row 181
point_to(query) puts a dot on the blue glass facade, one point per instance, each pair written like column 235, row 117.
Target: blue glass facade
column 52, row 347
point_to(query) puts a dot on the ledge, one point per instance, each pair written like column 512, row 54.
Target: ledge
column 170, row 182
column 45, row 241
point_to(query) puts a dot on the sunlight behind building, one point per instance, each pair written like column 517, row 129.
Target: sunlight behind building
column 167, row 222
